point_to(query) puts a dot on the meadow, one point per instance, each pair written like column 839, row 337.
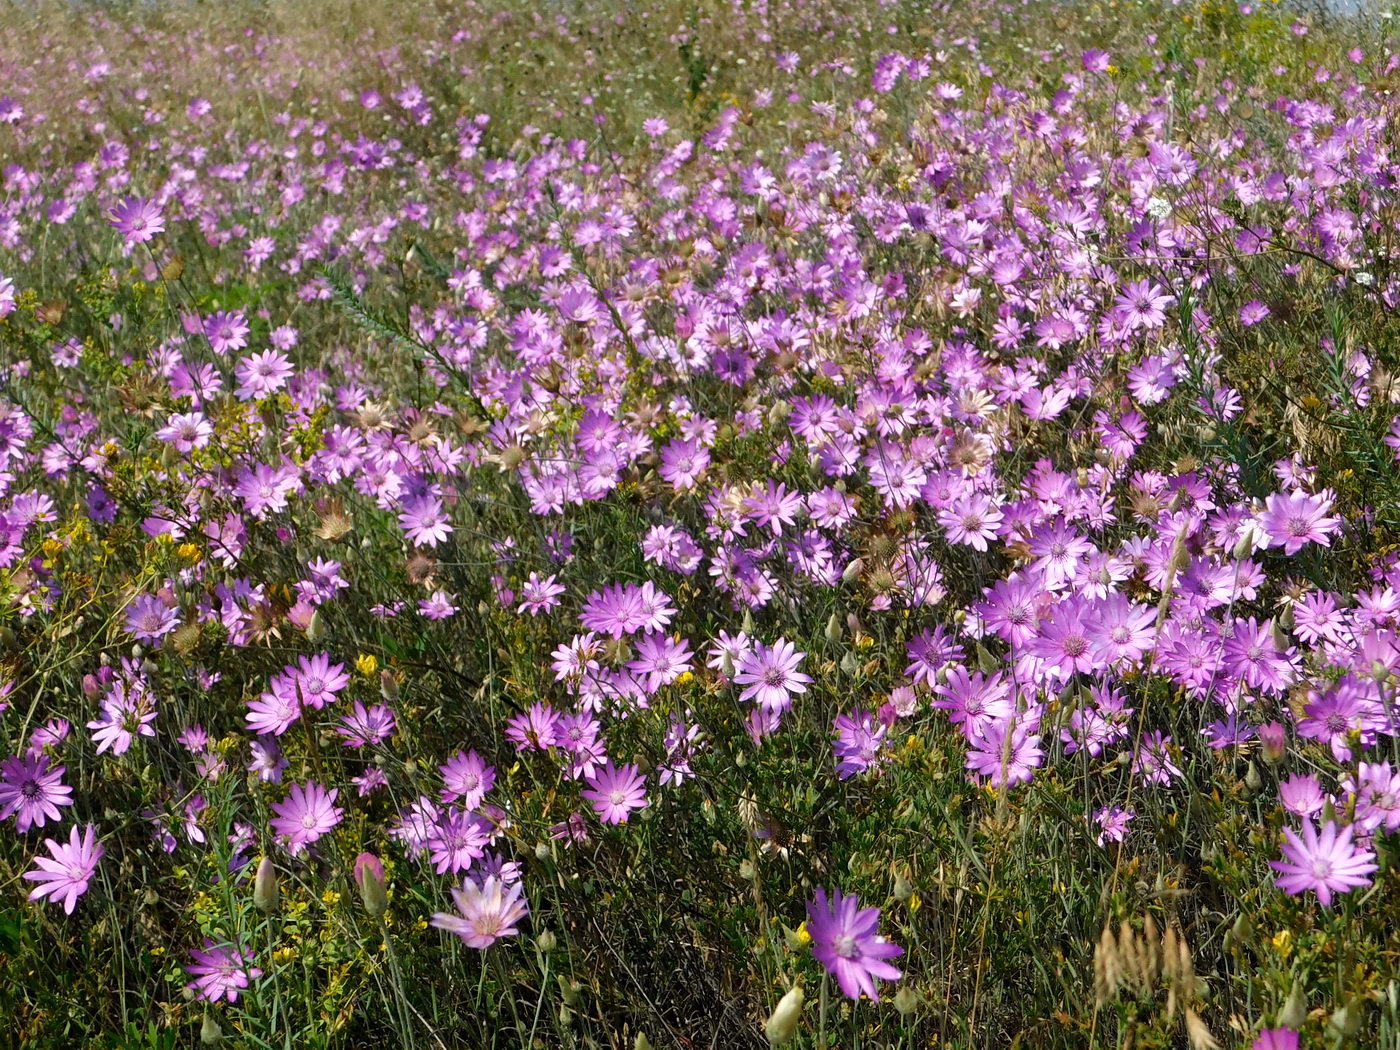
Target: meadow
column 699, row 525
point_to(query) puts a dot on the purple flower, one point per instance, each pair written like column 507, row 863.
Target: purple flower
column 307, row 813
column 845, row 941
column 65, row 875
column 149, row 619
column 137, row 220
column 1295, row 519
column 466, row 777
column 1276, row 1039
column 859, row 741
column 424, row 522
column 486, row 912
column 615, row 792
column 770, row 674
column 221, row 971
column 1325, row 862
column 1113, row 824
column 31, row 791
column 1252, row 312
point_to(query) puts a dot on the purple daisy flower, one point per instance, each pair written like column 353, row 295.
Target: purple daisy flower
column 487, row 912
column 770, row 675
column 31, row 791
column 845, row 941
column 65, row 875
column 615, row 792
column 137, row 220
column 307, row 813
column 220, row 971
column 1325, row 862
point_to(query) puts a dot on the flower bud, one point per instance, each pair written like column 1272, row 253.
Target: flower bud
column 642, row 1043
column 265, row 887
column 1346, row 1022
column 1252, row 780
column 315, row 627
column 833, row 628
column 369, row 876
column 1273, row 741
column 210, row 1034
column 388, row 687
column 1295, row 1009
column 782, row 1023
column 546, row 942
column 570, row 990
column 906, row 1001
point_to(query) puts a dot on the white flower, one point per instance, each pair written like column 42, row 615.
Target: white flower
column 1158, row 208
column 1364, row 278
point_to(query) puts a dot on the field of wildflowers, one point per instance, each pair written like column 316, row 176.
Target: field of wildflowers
column 715, row 524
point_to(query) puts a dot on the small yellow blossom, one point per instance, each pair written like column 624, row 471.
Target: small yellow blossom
column 366, row 664
column 1283, row 943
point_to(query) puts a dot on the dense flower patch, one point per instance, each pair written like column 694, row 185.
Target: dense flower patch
column 455, row 568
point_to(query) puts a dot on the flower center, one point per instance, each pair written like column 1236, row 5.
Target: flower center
column 845, row 946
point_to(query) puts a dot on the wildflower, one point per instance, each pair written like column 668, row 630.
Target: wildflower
column 424, row 522
column 1325, row 862
column 149, row 619
column 859, row 741
column 466, row 777
column 770, row 674
column 615, row 792
column 221, row 971
column 138, row 220
column 31, row 792
column 660, row 660
column 226, row 331
column 846, row 942
column 65, row 874
column 540, row 595
column 1291, row 521
column 486, row 912
column 1113, row 824
column 1252, row 312
column 307, row 813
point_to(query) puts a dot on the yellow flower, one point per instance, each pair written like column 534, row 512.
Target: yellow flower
column 802, row 935
column 330, row 898
column 1283, row 943
column 189, row 551
column 685, row 678
column 366, row 664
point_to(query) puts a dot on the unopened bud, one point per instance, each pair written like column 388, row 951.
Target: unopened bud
column 1346, row 1022
column 91, row 686
column 388, row 687
column 369, row 876
column 315, row 627
column 782, row 1023
column 1273, row 741
column 210, row 1034
column 833, row 628
column 265, row 887
column 642, row 1043
column 906, row 1001
column 546, row 942
column 1252, row 780
column 903, row 888
column 570, row 990
column 1295, row 1008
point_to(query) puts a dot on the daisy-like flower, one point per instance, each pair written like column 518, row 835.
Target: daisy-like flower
column 660, row 660
column 307, row 813
column 221, row 971
column 770, row 676
column 317, row 680
column 187, row 431
column 615, row 792
column 1296, row 519
column 1326, row 862
column 466, row 777
column 424, row 522
column 137, row 220
column 539, row 595
column 65, row 874
column 486, row 912
column 31, row 792
column 859, row 741
column 226, row 330
column 1113, row 824
column 846, row 941
column 7, row 296
column 149, row 619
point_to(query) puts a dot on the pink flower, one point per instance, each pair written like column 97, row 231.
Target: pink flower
column 1298, row 518
column 615, row 792
column 1325, row 862
column 65, row 875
